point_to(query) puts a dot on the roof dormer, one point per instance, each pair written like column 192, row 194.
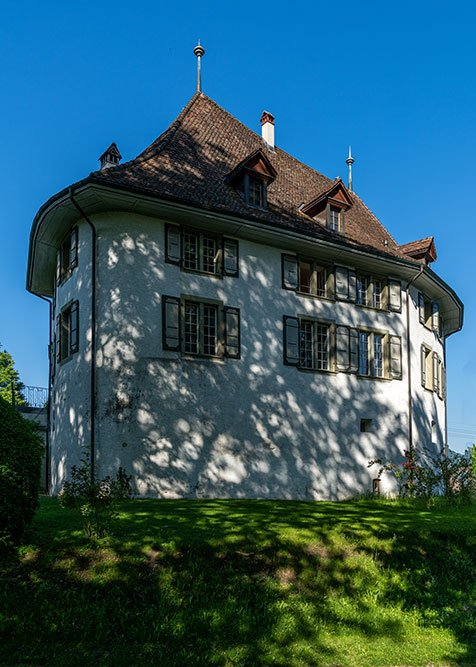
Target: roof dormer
column 111, row 157
column 423, row 250
column 251, row 179
column 329, row 207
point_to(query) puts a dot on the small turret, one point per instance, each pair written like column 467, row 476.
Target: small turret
column 111, row 157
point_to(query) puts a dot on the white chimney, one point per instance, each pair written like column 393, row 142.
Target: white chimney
column 267, row 129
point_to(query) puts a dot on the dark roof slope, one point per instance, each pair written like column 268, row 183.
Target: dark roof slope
column 191, row 159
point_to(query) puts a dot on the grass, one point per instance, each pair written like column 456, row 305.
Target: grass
column 217, row 582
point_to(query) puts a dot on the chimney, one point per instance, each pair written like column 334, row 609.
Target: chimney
column 110, row 157
column 267, row 129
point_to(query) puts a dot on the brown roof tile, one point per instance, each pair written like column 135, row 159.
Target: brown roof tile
column 192, row 158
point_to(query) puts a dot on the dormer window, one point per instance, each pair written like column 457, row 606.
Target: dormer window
column 334, row 219
column 251, row 179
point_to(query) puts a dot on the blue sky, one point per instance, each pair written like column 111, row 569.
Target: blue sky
column 394, row 80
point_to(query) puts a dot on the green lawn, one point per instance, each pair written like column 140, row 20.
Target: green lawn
column 245, row 583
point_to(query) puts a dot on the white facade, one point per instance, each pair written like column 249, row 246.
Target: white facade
column 251, row 427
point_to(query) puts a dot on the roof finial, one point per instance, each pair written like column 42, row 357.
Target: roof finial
column 199, row 51
column 350, row 161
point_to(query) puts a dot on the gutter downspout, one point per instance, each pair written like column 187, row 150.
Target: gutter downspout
column 93, row 333
column 446, row 403
column 409, row 374
column 48, row 416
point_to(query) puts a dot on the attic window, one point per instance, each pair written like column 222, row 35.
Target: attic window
column 251, row 178
column 334, row 219
column 256, row 192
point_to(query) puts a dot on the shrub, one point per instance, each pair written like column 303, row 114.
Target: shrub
column 21, row 450
column 96, row 500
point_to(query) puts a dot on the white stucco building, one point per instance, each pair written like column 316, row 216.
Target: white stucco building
column 230, row 323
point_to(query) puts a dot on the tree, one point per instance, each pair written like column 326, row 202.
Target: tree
column 9, row 376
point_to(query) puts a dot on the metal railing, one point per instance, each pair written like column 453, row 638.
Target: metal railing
column 36, row 397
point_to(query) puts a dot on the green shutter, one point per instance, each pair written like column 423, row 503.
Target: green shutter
column 74, row 328
column 435, row 317
column 58, row 339
column 290, row 272
column 395, row 353
column 232, row 332
column 352, row 285
column 73, row 249
column 341, row 283
column 173, row 244
column 230, row 257
column 395, row 295
column 423, row 365
column 354, row 351
column 436, row 372
column 421, row 308
column 170, row 323
column 342, row 348
column 291, row 340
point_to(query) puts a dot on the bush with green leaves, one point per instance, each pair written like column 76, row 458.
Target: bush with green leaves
column 21, row 451
column 96, row 499
column 431, row 474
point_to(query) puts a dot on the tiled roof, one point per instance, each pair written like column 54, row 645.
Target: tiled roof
column 417, row 246
column 191, row 159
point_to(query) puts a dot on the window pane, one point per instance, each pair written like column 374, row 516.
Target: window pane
column 190, row 251
column 255, row 192
column 209, row 330
column 305, row 277
column 377, row 294
column 334, row 219
column 209, row 255
column 378, row 355
column 321, row 281
column 362, row 290
column 322, row 347
column 363, row 353
column 191, row 328
column 306, row 346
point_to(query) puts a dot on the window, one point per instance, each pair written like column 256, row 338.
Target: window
column 201, row 251
column 365, row 425
column 314, row 345
column 334, row 219
column 377, row 293
column 362, row 286
column 378, row 355
column 67, row 330
column 363, row 353
column 200, row 327
column 256, row 188
column 429, row 314
column 67, row 256
column 304, row 275
column 433, row 375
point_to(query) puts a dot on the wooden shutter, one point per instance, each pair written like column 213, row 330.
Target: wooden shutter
column 421, row 308
column 354, row 351
column 436, row 372
column 341, row 283
column 173, row 244
column 352, row 285
column 73, row 248
column 443, row 382
column 435, row 317
column 58, row 339
column 423, row 366
column 395, row 295
column 73, row 328
column 291, row 340
column 232, row 332
column 290, row 271
column 395, row 353
column 230, row 257
column 342, row 348
column 170, row 323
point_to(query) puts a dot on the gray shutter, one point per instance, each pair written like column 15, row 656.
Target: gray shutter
column 290, row 272
column 443, row 382
column 173, row 244
column 291, row 340
column 230, row 257
column 58, row 339
column 73, row 249
column 170, row 323
column 73, row 328
column 58, row 266
column 423, row 366
column 395, row 350
column 342, row 348
column 436, row 363
column 435, row 317
column 395, row 295
column 232, row 332
column 352, row 285
column 354, row 351
column 341, row 283
column 421, row 307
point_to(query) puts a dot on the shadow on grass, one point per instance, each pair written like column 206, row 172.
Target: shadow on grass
column 239, row 582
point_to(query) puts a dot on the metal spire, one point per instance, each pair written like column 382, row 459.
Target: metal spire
column 350, row 161
column 199, row 51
